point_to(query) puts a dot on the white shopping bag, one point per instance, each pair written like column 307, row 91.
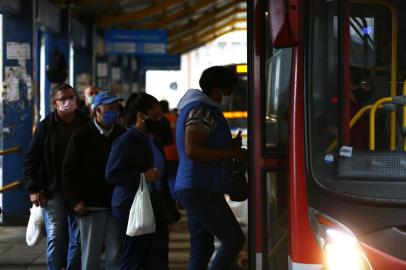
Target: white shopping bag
column 141, row 219
column 35, row 227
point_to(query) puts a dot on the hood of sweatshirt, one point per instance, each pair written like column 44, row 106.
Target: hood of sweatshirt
column 193, row 95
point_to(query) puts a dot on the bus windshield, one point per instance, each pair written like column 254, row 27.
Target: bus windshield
column 355, row 99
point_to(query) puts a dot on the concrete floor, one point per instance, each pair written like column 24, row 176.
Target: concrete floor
column 15, row 254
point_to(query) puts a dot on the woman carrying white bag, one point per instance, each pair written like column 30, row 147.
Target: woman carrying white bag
column 133, row 156
column 141, row 219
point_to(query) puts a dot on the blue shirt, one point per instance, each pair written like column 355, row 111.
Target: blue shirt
column 159, row 161
column 212, row 175
column 131, row 154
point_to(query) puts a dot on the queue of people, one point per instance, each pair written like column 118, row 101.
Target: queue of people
column 85, row 171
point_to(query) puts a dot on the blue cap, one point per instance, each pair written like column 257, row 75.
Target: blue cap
column 103, row 98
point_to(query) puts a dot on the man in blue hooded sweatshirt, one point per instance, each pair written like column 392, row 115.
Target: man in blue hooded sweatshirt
column 206, row 150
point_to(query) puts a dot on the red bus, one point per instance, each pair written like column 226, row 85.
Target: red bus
column 328, row 162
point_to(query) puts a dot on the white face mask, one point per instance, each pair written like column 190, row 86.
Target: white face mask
column 67, row 106
column 225, row 101
column 89, row 100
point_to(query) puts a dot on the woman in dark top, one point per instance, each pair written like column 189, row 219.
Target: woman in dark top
column 134, row 153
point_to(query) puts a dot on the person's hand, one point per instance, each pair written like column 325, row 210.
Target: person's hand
column 152, row 174
column 241, row 154
column 237, row 141
column 38, row 198
column 80, row 209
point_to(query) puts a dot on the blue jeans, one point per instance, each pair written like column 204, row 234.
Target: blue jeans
column 63, row 246
column 209, row 215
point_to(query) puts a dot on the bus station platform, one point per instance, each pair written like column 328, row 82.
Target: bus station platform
column 16, row 255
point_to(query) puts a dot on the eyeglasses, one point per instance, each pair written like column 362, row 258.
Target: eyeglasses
column 65, row 98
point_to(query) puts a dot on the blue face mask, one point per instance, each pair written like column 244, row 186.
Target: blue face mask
column 110, row 117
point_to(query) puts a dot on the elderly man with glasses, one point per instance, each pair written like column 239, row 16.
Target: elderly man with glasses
column 42, row 173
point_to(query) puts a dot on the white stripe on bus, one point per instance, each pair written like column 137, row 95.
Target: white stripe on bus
column 303, row 266
column 258, row 261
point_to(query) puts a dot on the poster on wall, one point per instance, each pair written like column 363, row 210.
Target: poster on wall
column 102, row 69
column 115, row 73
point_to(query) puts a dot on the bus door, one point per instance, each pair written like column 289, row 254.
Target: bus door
column 269, row 84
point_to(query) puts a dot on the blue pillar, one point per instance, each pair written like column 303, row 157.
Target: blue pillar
column 17, row 108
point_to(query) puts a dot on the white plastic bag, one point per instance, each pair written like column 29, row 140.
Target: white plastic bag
column 141, row 219
column 35, row 227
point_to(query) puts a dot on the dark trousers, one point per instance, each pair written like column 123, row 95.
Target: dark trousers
column 209, row 215
column 146, row 252
column 171, row 171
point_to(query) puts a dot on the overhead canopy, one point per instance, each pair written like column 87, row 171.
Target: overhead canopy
column 189, row 23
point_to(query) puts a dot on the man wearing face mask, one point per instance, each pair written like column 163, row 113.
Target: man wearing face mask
column 42, row 173
column 88, row 97
column 84, row 185
column 206, row 150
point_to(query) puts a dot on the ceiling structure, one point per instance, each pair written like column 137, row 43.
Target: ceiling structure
column 189, row 23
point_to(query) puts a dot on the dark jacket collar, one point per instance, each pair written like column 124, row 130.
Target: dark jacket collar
column 51, row 118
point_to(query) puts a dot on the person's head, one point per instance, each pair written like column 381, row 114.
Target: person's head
column 164, row 106
column 146, row 113
column 360, row 85
column 130, row 100
column 106, row 108
column 89, row 93
column 64, row 100
column 218, row 83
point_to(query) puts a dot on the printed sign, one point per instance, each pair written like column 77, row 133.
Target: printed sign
column 346, row 151
column 18, row 51
column 102, row 69
column 135, row 42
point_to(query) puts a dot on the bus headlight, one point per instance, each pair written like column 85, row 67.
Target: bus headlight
column 340, row 247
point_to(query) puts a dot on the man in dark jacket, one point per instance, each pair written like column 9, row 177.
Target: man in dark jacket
column 42, row 173
column 85, row 187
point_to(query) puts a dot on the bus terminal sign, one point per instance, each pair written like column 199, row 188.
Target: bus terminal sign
column 159, row 62
column 135, row 42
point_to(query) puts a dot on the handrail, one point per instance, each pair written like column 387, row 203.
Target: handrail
column 394, row 64
column 12, row 185
column 353, row 121
column 10, row 150
column 378, row 103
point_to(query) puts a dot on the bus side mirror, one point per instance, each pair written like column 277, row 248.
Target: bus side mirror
column 284, row 20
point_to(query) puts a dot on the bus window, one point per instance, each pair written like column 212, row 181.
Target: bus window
column 277, row 100
column 236, row 113
column 346, row 154
column 276, row 219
